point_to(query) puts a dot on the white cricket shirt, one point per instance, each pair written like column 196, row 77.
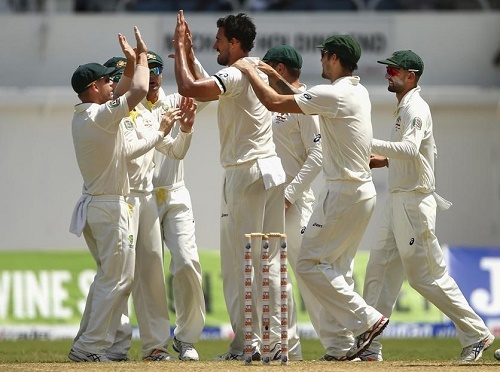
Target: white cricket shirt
column 344, row 111
column 245, row 128
column 298, row 144
column 98, row 143
column 411, row 150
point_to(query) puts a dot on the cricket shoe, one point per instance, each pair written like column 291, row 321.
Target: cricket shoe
column 475, row 351
column 186, row 350
column 118, row 357
column 331, row 358
column 82, row 356
column 159, row 356
column 228, row 356
column 371, row 356
column 364, row 340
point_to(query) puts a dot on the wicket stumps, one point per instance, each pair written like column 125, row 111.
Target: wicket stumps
column 265, row 297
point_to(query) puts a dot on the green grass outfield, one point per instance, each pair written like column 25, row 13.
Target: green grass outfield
column 418, row 351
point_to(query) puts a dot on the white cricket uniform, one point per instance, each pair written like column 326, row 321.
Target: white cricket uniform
column 342, row 211
column 105, row 219
column 252, row 190
column 178, row 229
column 297, row 140
column 407, row 244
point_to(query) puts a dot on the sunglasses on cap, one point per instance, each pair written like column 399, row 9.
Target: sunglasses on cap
column 394, row 71
column 156, row 70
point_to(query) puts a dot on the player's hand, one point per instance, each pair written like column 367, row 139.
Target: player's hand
column 377, row 161
column 268, row 70
column 180, row 30
column 243, row 66
column 127, row 50
column 141, row 45
column 188, row 112
column 168, row 119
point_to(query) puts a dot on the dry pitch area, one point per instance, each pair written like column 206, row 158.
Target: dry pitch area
column 306, row 366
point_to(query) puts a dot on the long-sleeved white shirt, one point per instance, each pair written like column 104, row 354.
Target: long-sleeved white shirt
column 411, row 149
column 298, row 144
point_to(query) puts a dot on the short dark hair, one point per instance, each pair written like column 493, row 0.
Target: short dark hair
column 343, row 61
column 240, row 27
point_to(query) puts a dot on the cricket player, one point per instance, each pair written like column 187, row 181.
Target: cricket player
column 252, row 189
column 407, row 243
column 298, row 144
column 347, row 200
column 102, row 213
column 150, row 299
column 177, row 220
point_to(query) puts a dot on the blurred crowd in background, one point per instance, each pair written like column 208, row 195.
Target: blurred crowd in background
column 244, row 5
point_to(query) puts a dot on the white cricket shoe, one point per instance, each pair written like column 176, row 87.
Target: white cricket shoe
column 186, row 351
column 475, row 351
column 76, row 355
column 371, row 356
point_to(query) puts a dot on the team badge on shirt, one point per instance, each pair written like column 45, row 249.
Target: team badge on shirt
column 114, row 103
column 317, row 138
column 148, row 123
column 307, row 96
column 417, row 123
column 128, row 123
column 398, row 123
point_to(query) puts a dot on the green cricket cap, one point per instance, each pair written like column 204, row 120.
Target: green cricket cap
column 88, row 73
column 118, row 63
column 154, row 58
column 405, row 59
column 345, row 46
column 284, row 54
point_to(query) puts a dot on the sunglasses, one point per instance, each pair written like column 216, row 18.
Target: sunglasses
column 394, row 71
column 116, row 78
column 323, row 52
column 106, row 80
column 156, row 70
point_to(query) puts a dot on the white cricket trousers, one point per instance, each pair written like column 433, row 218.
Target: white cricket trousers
column 247, row 207
column 407, row 246
column 296, row 218
column 178, row 230
column 326, row 256
column 149, row 291
column 110, row 241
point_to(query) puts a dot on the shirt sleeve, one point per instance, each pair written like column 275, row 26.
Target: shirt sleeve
column 109, row 115
column 175, row 149
column 319, row 100
column 413, row 132
column 229, row 81
column 135, row 146
column 311, row 137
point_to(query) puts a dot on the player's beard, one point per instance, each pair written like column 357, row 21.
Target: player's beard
column 222, row 59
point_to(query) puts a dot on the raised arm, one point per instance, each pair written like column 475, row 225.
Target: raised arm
column 126, row 81
column 267, row 95
column 140, row 81
column 204, row 89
